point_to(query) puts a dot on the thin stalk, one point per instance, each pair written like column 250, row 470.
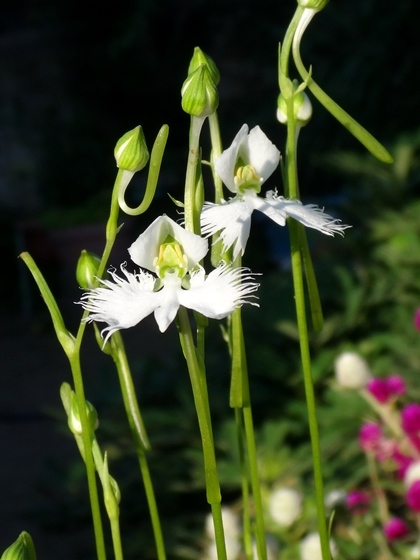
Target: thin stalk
column 192, row 222
column 139, row 435
column 199, row 385
column 246, row 518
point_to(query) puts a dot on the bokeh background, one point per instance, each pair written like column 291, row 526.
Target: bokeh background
column 74, row 78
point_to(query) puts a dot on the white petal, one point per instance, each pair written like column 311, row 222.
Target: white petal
column 258, row 151
column 122, row 303
column 218, row 295
column 224, row 165
column 146, row 248
column 232, row 219
column 309, row 215
column 168, row 307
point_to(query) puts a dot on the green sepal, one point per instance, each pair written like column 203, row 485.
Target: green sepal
column 199, row 57
column 22, row 549
column 87, row 269
column 200, row 97
column 65, row 338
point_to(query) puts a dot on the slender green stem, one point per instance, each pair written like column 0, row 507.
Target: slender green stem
column 216, row 150
column 198, row 384
column 309, row 388
column 116, row 539
column 191, row 213
column 247, row 533
column 286, row 46
column 138, row 432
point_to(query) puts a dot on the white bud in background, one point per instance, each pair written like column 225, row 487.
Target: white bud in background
column 285, row 506
column 352, row 371
column 310, row 547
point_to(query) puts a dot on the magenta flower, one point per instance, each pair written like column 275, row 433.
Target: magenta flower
column 395, row 529
column 379, row 389
column 396, row 385
column 402, row 462
column 370, row 435
column 417, row 319
column 358, row 502
column 413, row 496
column 410, row 418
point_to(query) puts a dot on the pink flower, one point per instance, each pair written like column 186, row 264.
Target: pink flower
column 396, row 385
column 413, row 496
column 379, row 389
column 395, row 529
column 358, row 502
column 410, row 417
column 369, row 436
column 402, row 462
column 417, row 319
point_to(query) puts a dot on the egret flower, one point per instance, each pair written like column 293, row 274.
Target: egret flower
column 173, row 254
column 243, row 168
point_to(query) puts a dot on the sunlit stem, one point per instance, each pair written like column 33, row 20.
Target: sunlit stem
column 240, row 399
column 292, row 191
column 191, row 213
column 216, row 150
column 246, row 518
column 199, row 388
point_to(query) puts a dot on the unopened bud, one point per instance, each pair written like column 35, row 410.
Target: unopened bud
column 285, row 506
column 21, row 549
column 302, row 108
column 352, row 371
column 200, row 97
column 131, row 153
column 87, row 269
column 198, row 58
column 74, row 422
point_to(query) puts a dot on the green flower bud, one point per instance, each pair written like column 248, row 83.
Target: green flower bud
column 87, row 269
column 199, row 57
column 131, row 153
column 199, row 93
column 21, row 549
column 302, row 108
column 317, row 5
column 74, row 417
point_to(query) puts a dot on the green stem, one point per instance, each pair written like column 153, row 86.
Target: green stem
column 138, row 432
column 191, row 213
column 247, row 534
column 309, row 388
column 216, row 150
column 199, row 388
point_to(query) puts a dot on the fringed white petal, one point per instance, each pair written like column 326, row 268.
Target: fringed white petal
column 232, row 219
column 218, row 295
column 224, row 165
column 122, row 303
column 309, row 215
column 258, row 151
column 146, row 248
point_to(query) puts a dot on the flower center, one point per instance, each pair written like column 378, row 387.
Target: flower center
column 171, row 259
column 246, row 178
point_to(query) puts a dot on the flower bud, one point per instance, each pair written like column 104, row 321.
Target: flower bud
column 285, row 506
column 316, row 5
column 352, row 371
column 198, row 58
column 302, row 108
column 200, row 97
column 310, row 547
column 87, row 269
column 74, row 417
column 131, row 153
column 21, row 549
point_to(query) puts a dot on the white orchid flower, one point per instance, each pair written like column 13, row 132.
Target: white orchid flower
column 243, row 168
column 173, row 254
